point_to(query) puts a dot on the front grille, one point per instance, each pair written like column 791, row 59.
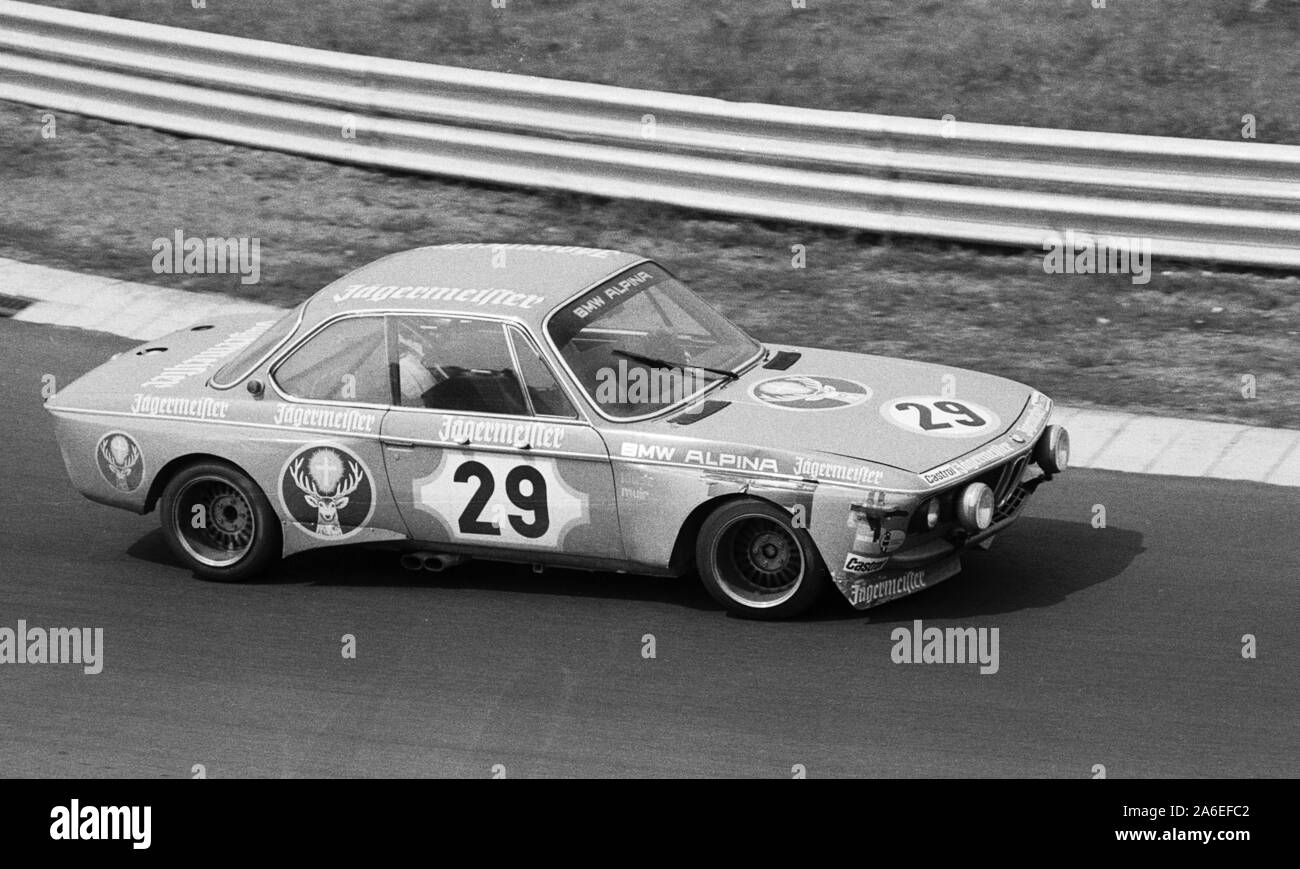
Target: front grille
column 1014, row 501
column 1003, row 479
column 1009, row 478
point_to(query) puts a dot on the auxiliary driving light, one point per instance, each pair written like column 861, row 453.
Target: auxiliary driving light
column 1052, row 452
column 932, row 513
column 975, row 507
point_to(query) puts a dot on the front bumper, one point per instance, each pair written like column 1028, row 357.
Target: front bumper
column 932, row 560
column 872, row 589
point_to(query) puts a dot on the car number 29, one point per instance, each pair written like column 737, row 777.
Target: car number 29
column 500, row 500
column 938, row 416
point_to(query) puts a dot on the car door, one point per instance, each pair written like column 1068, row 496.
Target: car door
column 486, row 451
column 318, row 433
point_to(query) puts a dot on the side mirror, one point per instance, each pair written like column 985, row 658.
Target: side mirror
column 255, row 388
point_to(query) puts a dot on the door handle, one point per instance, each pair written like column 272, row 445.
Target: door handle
column 401, row 445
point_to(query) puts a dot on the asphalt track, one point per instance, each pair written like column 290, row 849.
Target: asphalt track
column 1118, row 646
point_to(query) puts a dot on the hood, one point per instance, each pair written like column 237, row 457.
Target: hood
column 174, row 365
column 909, row 415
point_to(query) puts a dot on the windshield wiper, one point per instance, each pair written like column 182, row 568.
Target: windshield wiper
column 656, row 362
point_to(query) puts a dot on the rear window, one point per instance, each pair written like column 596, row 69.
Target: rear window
column 345, row 361
column 242, row 365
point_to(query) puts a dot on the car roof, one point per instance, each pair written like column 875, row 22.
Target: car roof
column 526, row 281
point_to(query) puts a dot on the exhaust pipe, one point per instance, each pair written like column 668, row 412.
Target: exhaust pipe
column 434, row 562
column 437, row 562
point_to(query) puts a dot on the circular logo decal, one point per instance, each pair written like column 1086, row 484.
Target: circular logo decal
column 327, row 490
column 804, row 392
column 941, row 417
column 120, row 461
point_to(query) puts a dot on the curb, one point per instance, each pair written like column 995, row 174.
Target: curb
column 1102, row 439
column 1118, row 441
column 143, row 311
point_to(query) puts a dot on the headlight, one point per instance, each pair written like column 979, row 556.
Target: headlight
column 1052, row 452
column 932, row 513
column 975, row 507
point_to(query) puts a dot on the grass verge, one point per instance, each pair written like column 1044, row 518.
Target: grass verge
column 96, row 196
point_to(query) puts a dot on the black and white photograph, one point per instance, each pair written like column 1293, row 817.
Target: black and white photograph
column 868, row 390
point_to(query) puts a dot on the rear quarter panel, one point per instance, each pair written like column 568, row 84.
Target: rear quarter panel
column 261, row 437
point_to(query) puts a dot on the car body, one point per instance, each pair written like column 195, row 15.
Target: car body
column 558, row 406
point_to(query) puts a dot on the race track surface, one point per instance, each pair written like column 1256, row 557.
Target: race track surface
column 1118, row 646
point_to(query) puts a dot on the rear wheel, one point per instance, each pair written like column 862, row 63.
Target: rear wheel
column 218, row 522
column 755, row 563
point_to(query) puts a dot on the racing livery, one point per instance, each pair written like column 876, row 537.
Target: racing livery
column 556, row 406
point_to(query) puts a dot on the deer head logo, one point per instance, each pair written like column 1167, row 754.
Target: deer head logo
column 325, row 485
column 119, row 457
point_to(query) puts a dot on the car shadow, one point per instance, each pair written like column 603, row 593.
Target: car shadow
column 1038, row 563
column 362, row 566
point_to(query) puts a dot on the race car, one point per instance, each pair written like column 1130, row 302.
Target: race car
column 556, row 406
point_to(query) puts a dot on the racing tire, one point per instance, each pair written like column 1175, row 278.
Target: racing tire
column 236, row 534
column 754, row 562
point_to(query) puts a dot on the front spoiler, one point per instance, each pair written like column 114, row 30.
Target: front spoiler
column 873, row 589
column 910, row 571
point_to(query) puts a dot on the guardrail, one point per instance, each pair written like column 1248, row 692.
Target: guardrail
column 1236, row 202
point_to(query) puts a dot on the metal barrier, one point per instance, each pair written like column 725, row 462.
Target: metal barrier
column 1236, row 202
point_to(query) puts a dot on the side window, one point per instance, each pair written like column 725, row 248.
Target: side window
column 545, row 393
column 450, row 363
column 345, row 361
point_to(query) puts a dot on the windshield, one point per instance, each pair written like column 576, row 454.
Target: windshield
column 642, row 342
column 242, row 365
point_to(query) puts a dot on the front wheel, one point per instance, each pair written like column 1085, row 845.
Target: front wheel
column 218, row 522
column 755, row 563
